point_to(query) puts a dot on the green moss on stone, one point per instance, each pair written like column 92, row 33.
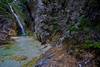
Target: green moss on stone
column 31, row 62
column 18, row 58
column 90, row 44
column 45, row 1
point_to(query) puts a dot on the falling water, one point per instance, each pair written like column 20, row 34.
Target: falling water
column 18, row 20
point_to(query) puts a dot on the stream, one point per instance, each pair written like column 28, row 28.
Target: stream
column 25, row 51
column 20, row 52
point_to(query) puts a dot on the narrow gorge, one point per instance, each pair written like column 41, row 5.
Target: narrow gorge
column 49, row 33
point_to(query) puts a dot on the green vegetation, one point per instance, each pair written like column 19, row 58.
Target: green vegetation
column 45, row 1
column 17, row 58
column 30, row 35
column 5, row 12
column 72, row 28
column 23, row 1
column 84, row 22
column 6, row 55
column 10, row 1
column 56, row 26
column 85, row 27
column 26, row 35
column 18, row 10
column 90, row 44
column 31, row 62
column 7, row 1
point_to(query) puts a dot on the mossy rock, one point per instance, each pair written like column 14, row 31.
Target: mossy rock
column 45, row 1
column 91, row 44
column 18, row 58
column 7, row 54
column 30, row 63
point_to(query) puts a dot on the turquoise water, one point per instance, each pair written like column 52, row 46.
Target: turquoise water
column 24, row 46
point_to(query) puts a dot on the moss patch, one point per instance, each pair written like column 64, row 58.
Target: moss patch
column 1, row 60
column 30, row 63
column 7, row 54
column 45, row 1
column 18, row 58
column 91, row 44
column 54, row 37
column 6, row 47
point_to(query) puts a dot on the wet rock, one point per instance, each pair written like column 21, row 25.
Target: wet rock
column 44, row 61
column 7, row 28
column 10, row 27
column 3, row 37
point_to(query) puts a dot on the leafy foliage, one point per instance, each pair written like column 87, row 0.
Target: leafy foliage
column 90, row 44
column 7, row 1
column 45, row 1
column 5, row 10
column 72, row 28
column 23, row 1
column 85, row 22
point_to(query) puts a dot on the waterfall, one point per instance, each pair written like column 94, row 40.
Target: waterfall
column 18, row 20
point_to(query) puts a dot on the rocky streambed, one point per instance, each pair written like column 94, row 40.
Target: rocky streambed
column 23, row 52
column 26, row 51
column 60, row 57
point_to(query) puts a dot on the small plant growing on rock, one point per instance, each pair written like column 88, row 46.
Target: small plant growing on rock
column 90, row 44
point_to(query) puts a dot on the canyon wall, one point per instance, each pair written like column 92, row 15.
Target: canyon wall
column 67, row 17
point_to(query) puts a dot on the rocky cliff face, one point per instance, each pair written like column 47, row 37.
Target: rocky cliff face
column 7, row 28
column 54, row 15
column 46, row 17
column 67, row 17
